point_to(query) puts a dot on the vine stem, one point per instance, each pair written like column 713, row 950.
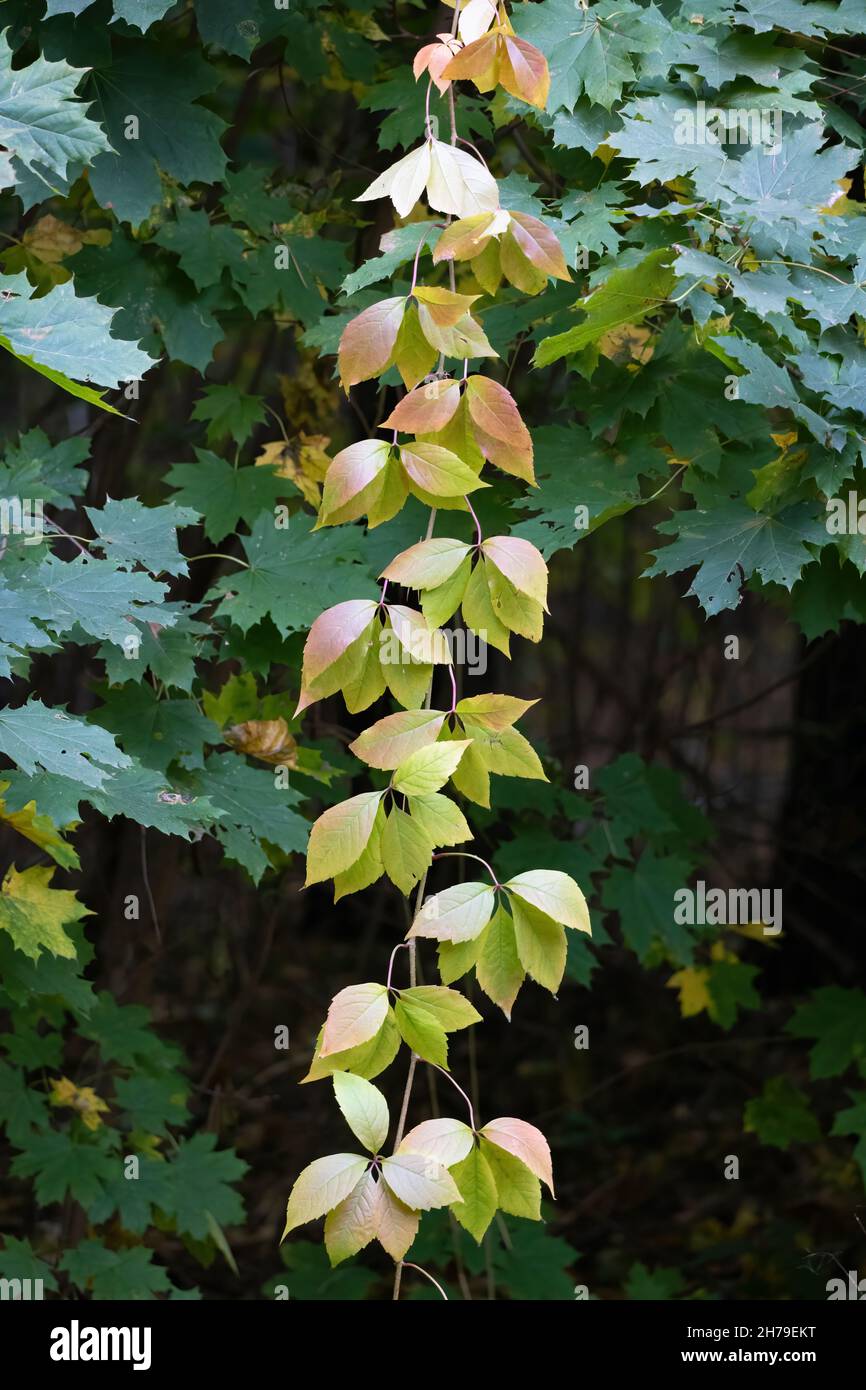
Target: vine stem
column 413, row 972
column 409, row 1265
column 464, row 854
column 457, row 1088
column 478, row 532
column 401, row 946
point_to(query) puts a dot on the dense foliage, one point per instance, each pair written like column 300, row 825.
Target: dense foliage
column 333, row 328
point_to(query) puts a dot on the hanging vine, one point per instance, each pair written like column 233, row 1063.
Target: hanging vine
column 448, row 431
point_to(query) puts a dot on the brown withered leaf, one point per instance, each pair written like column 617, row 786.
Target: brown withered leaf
column 268, row 740
column 304, row 462
column 52, row 241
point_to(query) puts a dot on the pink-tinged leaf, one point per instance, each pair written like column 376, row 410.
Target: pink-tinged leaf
column 539, row 245
column 468, row 237
column 446, row 1141
column 396, row 1225
column 434, row 58
column 332, row 632
column 525, row 1142
column 499, row 430
column 419, row 641
column 427, row 564
column 553, row 893
column 340, row 836
column 321, row 1186
column 421, row 1183
column 390, row 740
column 515, row 461
column 522, row 565
column 351, row 1225
column 355, row 1015
column 523, row 71
column 426, row 409
column 351, row 471
column 459, row 913
column 444, row 307
column 494, row 409
column 368, row 341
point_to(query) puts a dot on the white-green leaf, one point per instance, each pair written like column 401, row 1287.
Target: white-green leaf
column 321, row 1186
column 364, row 1108
column 420, row 1182
column 457, row 914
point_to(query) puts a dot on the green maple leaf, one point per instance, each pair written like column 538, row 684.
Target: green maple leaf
column 175, row 134
column 251, row 811
column 277, row 583
column 286, row 275
column 156, row 732
column 124, row 1034
column 836, row 1019
column 853, row 1121
column 155, row 302
column 59, row 1165
column 248, row 200
column 169, row 651
column 201, row 1191
column 67, row 339
column 139, row 793
column 224, row 495
column 22, row 1109
column 93, row 595
column 49, row 977
column 131, row 533
column 583, row 128
column 808, row 19
column 228, row 411
column 19, row 631
column 238, row 26
column 589, row 49
column 780, row 1115
column 535, row 1265
column 34, row 467
column 731, row 988
column 134, row 1199
column 141, row 13
column 35, row 914
column 34, row 736
column 115, row 1274
column 607, row 486
column 732, row 543
column 152, row 1103
column 643, row 895
column 793, row 184
column 592, row 215
column 18, row 1260
column 767, row 383
column 655, row 1285
column 43, row 124
column 205, row 248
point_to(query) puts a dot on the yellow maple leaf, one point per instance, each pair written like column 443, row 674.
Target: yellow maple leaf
column 35, row 914
column 692, row 983
column 82, row 1099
